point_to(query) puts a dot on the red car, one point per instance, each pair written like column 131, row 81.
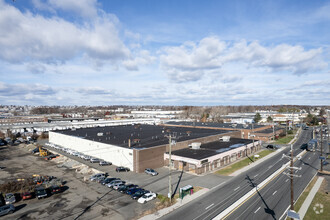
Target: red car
column 26, row 195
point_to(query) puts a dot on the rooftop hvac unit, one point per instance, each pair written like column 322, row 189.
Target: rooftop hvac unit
column 196, row 145
column 100, row 134
column 225, row 138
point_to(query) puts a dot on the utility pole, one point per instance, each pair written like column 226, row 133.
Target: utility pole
column 253, row 136
column 291, row 175
column 273, row 131
column 169, row 167
column 321, row 148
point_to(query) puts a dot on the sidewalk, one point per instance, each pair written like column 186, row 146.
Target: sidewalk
column 310, row 197
column 237, row 172
column 178, row 204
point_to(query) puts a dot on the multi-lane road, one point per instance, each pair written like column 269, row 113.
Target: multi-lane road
column 221, row 197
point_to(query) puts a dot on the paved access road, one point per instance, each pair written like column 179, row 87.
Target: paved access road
column 272, row 201
column 226, row 193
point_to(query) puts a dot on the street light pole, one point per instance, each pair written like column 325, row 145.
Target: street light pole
column 291, row 172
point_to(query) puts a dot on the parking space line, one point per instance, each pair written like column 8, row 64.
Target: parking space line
column 257, row 210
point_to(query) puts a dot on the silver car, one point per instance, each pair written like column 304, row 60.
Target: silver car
column 96, row 176
column 10, row 198
column 111, row 184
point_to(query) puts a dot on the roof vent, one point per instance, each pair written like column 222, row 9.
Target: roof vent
column 196, row 145
column 225, row 138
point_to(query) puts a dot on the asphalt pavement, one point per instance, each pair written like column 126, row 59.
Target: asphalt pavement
column 226, row 193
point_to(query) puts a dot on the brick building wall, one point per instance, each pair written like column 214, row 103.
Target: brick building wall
column 153, row 157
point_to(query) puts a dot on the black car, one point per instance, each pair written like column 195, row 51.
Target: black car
column 40, row 193
column 56, row 189
column 122, row 169
column 304, row 146
column 133, row 191
column 138, row 194
column 50, row 157
column 108, row 180
column 271, row 146
column 124, row 188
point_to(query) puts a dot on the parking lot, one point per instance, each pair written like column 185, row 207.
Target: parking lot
column 159, row 183
column 87, row 200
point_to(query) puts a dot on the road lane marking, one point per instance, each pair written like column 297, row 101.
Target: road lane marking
column 257, row 210
column 256, row 175
column 286, row 180
column 270, row 166
column 209, row 206
column 236, row 188
column 274, row 192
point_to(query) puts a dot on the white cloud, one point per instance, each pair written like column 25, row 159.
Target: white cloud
column 190, row 61
column 32, row 37
column 25, row 89
column 142, row 57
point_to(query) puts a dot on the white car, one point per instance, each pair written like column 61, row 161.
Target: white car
column 147, row 197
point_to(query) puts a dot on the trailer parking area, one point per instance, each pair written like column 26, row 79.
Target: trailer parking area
column 80, row 200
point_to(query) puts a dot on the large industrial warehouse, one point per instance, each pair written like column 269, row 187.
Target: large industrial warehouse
column 134, row 146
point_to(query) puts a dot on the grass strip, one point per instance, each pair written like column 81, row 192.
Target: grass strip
column 242, row 163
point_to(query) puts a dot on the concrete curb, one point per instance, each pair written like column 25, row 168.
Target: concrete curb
column 179, row 204
column 303, row 209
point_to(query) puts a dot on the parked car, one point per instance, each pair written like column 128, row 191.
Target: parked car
column 86, row 157
column 117, row 185
column 56, row 189
column 138, row 194
column 41, row 192
column 151, row 172
column 95, row 176
column 52, row 156
column 26, row 195
column 124, row 188
column 104, row 163
column 133, row 191
column 94, row 160
column 271, row 146
column 100, row 179
column 147, row 197
column 122, row 169
column 108, row 180
column 10, row 198
column 6, row 209
column 115, row 182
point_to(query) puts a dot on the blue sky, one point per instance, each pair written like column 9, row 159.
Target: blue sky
column 89, row 52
